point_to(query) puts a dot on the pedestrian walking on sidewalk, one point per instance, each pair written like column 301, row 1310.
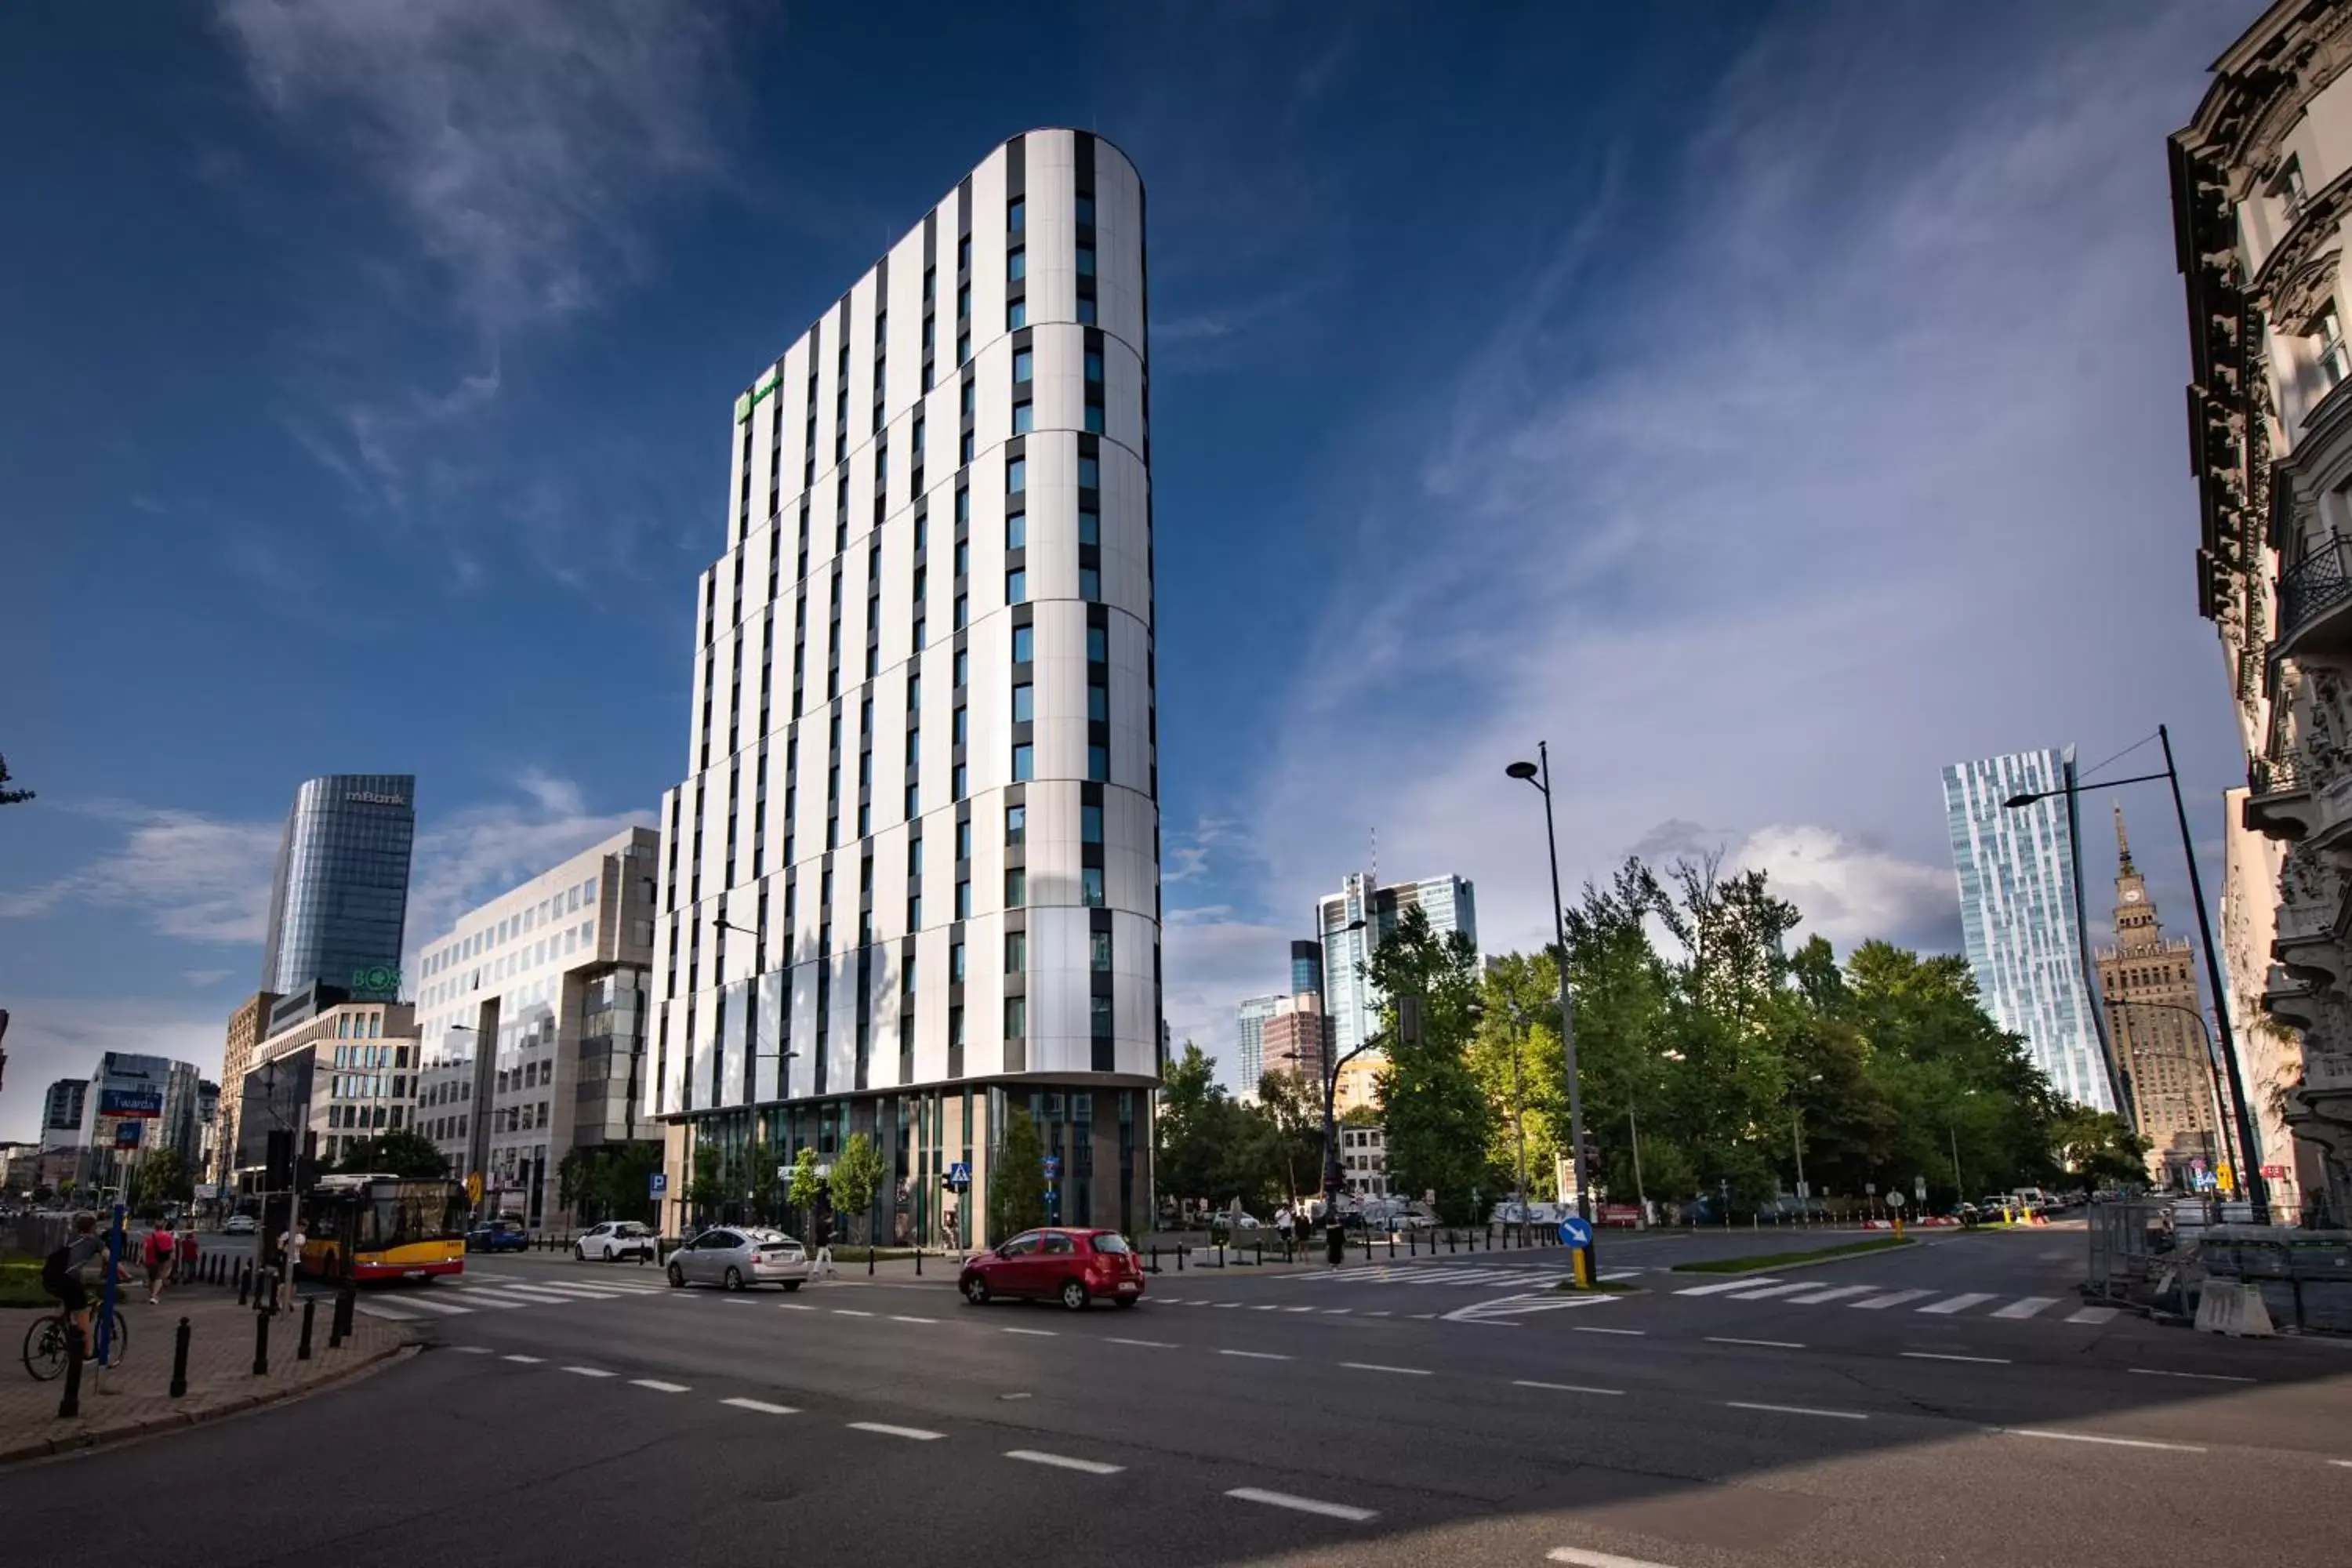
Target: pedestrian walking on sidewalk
column 160, row 1253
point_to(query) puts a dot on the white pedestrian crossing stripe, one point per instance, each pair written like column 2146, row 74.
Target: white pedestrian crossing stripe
column 1518, row 1275
column 1875, row 1299
column 497, row 1292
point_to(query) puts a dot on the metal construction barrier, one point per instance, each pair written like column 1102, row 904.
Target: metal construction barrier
column 2157, row 1254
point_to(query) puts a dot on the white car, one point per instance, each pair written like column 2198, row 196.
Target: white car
column 614, row 1239
column 739, row 1256
column 240, row 1225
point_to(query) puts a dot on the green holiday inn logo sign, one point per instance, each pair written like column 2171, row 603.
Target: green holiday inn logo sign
column 759, row 393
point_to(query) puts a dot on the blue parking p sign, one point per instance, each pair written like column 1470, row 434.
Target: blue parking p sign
column 1576, row 1231
column 658, row 1183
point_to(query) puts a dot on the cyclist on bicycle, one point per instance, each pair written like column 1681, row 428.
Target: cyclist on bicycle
column 61, row 1273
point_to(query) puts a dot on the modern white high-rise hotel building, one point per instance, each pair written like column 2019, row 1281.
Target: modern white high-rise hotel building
column 911, row 879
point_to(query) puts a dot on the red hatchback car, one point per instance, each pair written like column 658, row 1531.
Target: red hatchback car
column 1072, row 1266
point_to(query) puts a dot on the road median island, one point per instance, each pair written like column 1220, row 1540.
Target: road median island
column 1758, row 1262
column 135, row 1398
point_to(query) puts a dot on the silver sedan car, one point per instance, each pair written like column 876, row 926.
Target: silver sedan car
column 739, row 1256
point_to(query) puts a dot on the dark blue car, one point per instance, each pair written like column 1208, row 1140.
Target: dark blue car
column 498, row 1235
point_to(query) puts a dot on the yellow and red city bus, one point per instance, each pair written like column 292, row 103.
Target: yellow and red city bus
column 383, row 1227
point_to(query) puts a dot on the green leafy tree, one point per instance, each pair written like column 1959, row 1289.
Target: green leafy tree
column 2098, row 1148
column 706, row 1185
column 805, row 1187
column 1193, row 1128
column 400, row 1152
column 1439, row 1120
column 1016, row 1186
column 1287, row 1142
column 1361, row 1116
column 858, row 1173
column 164, row 1180
column 11, row 796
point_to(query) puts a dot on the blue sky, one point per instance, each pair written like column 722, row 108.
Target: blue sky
column 1765, row 405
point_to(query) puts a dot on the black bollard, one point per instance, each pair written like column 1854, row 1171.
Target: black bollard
column 70, row 1404
column 1180, row 1257
column 243, row 1278
column 1155, row 1257
column 869, row 1263
column 1412, row 1245
column 261, row 1344
column 302, row 1346
column 180, row 1361
column 1392, row 1247
column 918, row 1263
column 1449, row 1240
column 1220, row 1254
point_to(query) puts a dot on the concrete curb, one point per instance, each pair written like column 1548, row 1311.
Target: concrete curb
column 82, row 1442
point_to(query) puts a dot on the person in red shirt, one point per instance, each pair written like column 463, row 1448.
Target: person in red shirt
column 162, row 1250
column 187, row 1259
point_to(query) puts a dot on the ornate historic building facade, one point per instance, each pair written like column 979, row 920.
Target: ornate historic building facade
column 2156, row 1029
column 2261, row 190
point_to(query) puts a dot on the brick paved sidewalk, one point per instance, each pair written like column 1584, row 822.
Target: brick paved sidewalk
column 134, row 1397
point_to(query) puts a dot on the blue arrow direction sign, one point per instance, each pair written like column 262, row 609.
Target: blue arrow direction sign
column 1576, row 1231
column 1052, row 1167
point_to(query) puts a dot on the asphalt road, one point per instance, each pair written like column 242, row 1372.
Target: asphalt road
column 1419, row 1414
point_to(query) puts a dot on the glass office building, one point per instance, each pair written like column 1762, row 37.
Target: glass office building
column 2021, row 913
column 1306, row 968
column 339, row 902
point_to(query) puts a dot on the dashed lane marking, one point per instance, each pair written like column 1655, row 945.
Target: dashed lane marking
column 2199, row 1376
column 1939, row 1355
column 1562, row 1387
column 1255, row 1355
column 1632, row 1334
column 1038, row 1334
column 588, row 1372
column 1303, row 1504
column 796, row 1307
column 525, row 1359
column 850, row 1312
column 1337, row 1312
column 657, row 1385
column 903, row 1318
column 1768, row 1344
column 472, row 1350
column 2096, row 1437
column 1143, row 1344
column 1062, row 1462
column 1578, row 1557
column 1798, row 1410
column 761, row 1406
column 912, row 1433
column 1375, row 1366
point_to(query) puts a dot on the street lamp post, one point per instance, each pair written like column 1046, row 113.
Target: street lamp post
column 2257, row 1191
column 1538, row 774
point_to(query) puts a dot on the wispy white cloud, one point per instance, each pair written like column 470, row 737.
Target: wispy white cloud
column 200, row 978
column 518, row 142
column 186, row 874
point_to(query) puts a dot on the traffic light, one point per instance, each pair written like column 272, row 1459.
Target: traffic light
column 306, row 1169
column 278, row 1161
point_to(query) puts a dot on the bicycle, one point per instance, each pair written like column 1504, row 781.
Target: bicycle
column 46, row 1351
